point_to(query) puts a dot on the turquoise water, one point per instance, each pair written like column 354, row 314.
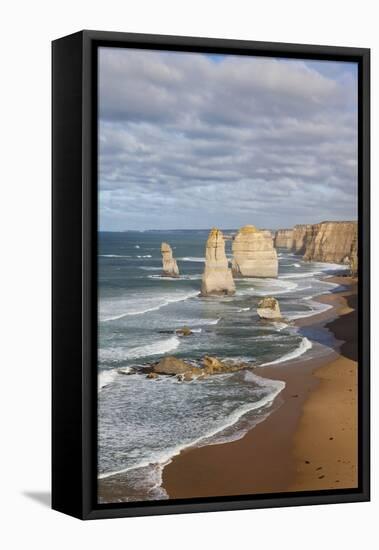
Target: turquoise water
column 143, row 423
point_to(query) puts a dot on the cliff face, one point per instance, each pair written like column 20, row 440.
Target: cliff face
column 354, row 257
column 254, row 254
column 170, row 267
column 299, row 238
column 283, row 238
column 331, row 242
column 217, row 277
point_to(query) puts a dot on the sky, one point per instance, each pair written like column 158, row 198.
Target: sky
column 192, row 141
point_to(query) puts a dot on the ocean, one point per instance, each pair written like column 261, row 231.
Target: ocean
column 143, row 423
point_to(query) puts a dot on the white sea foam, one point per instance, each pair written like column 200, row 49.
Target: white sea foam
column 163, row 458
column 150, row 268
column 125, row 370
column 105, row 378
column 191, row 322
column 140, row 306
column 114, row 256
column 328, row 266
column 243, row 309
column 145, row 256
column 137, row 246
column 267, row 286
column 210, row 321
column 300, row 275
column 304, row 346
column 119, row 353
column 279, row 326
column 176, row 279
column 238, row 359
column 315, row 309
column 296, row 265
column 192, row 259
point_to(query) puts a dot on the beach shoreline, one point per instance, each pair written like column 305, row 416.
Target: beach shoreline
column 270, row 457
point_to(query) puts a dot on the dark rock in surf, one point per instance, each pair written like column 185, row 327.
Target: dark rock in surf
column 171, row 365
column 184, row 331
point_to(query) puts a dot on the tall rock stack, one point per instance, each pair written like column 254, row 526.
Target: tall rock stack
column 283, row 238
column 254, row 254
column 217, row 277
column 170, row 267
column 331, row 242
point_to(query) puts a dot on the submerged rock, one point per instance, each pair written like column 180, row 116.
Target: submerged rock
column 127, row 370
column 185, row 377
column 254, row 254
column 185, row 372
column 170, row 267
column 268, row 308
column 212, row 365
column 171, row 365
column 184, row 331
column 217, row 277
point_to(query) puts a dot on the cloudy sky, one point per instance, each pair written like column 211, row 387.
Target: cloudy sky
column 190, row 140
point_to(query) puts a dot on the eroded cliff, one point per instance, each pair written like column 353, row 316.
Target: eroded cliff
column 254, row 254
column 283, row 238
column 331, row 242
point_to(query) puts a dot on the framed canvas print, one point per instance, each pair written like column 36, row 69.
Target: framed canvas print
column 210, row 274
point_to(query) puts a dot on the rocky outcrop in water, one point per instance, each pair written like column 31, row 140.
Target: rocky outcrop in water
column 283, row 238
column 185, row 372
column 171, row 365
column 268, row 308
column 254, row 254
column 212, row 365
column 331, row 242
column 170, row 267
column 183, row 331
column 217, row 277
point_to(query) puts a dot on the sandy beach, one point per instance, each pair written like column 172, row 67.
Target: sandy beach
column 301, row 445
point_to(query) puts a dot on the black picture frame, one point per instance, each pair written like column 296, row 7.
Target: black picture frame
column 74, row 272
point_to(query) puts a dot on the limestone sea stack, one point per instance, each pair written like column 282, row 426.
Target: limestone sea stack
column 268, row 308
column 217, row 277
column 170, row 267
column 331, row 242
column 283, row 238
column 254, row 254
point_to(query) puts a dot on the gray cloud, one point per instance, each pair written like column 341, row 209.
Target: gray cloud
column 188, row 142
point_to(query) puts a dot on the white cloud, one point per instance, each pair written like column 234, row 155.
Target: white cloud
column 187, row 142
